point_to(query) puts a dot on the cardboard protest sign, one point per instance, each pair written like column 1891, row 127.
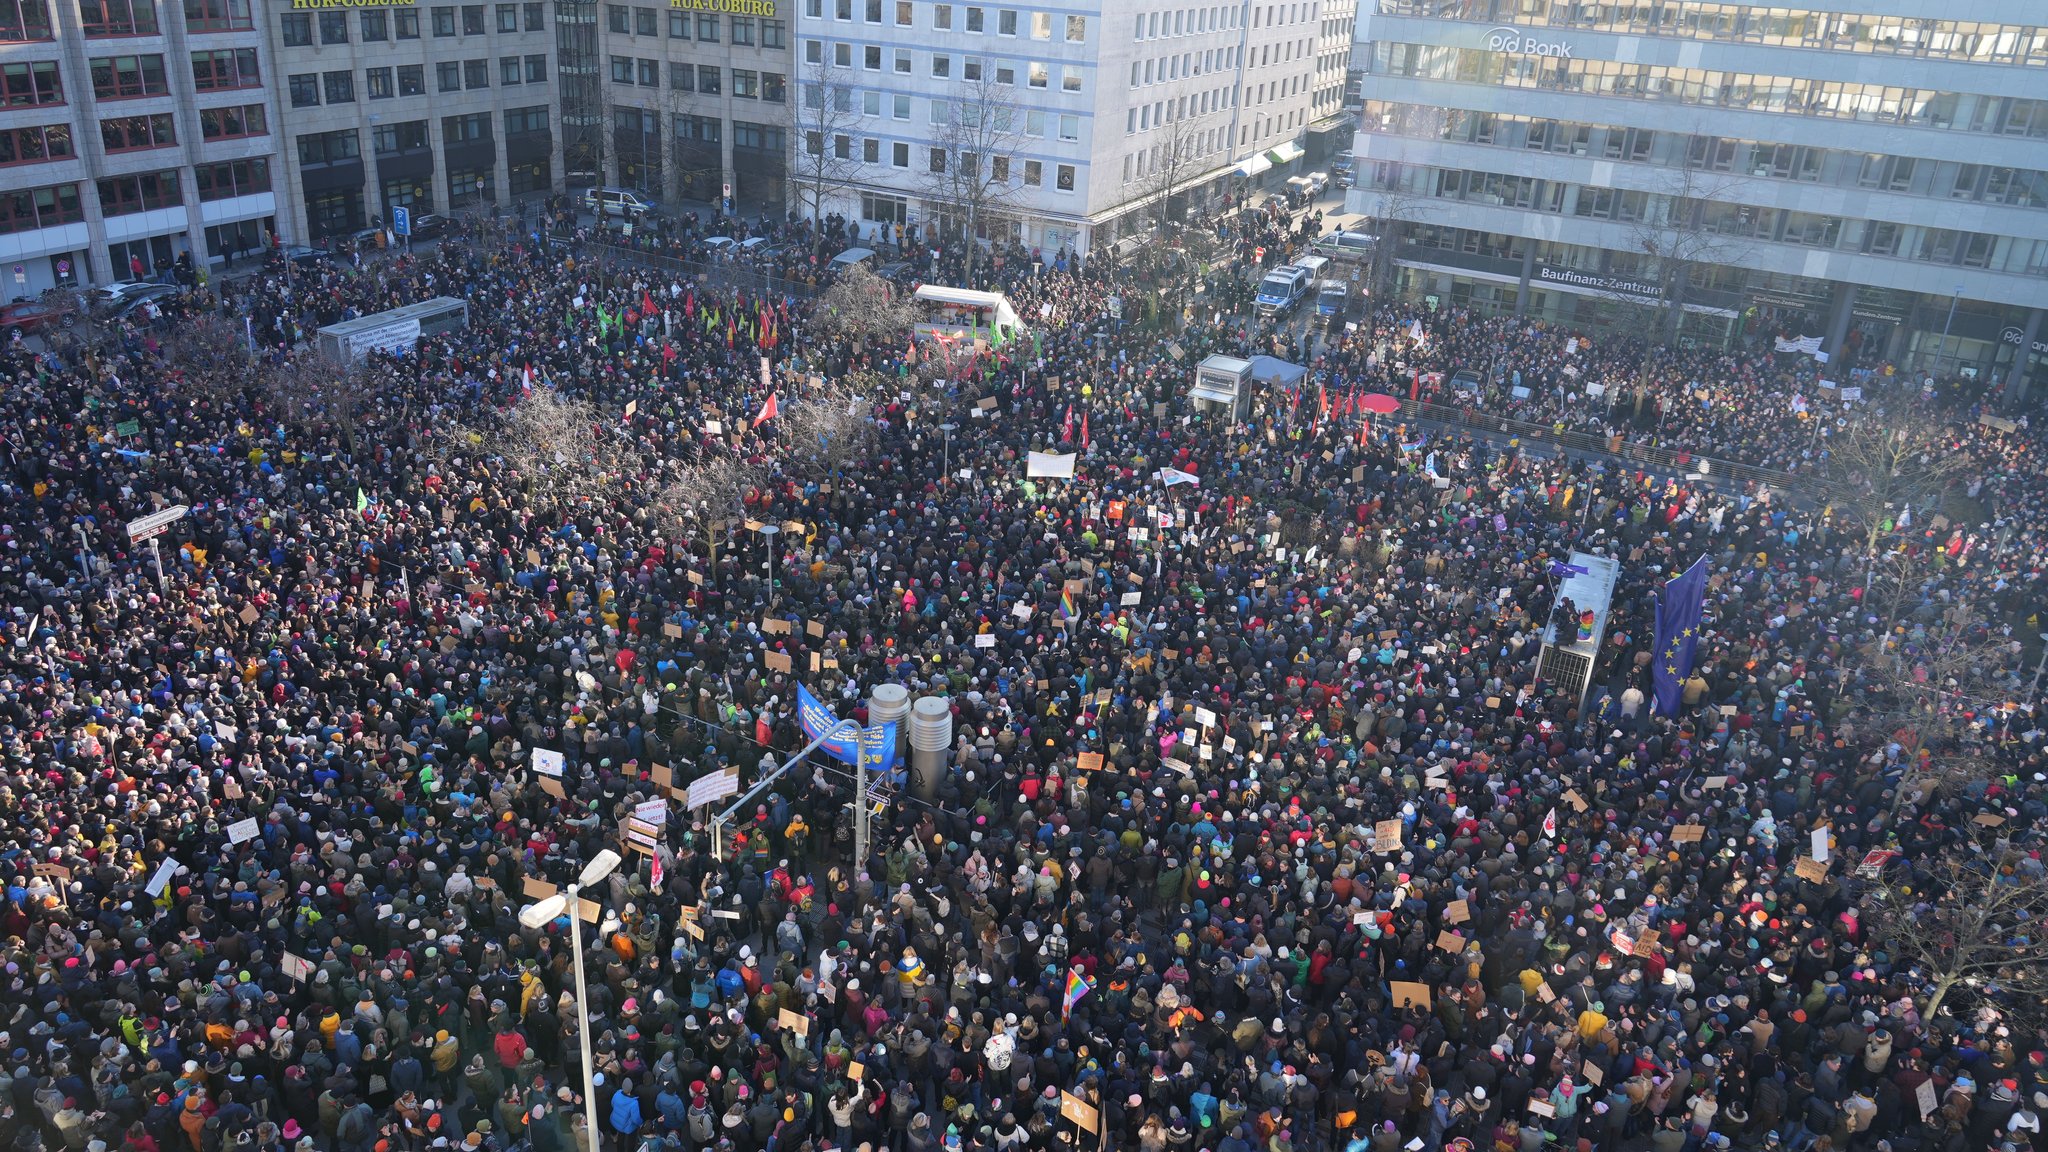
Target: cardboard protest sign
column 1408, row 992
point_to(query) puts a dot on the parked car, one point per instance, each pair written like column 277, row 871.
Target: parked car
column 30, row 316
column 306, row 257
column 141, row 305
column 428, row 226
column 619, row 202
column 901, row 273
column 106, row 295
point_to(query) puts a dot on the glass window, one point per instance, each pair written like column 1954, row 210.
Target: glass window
column 34, row 145
column 904, row 17
column 622, row 69
column 1065, row 177
column 899, row 107
column 707, row 28
column 305, row 89
column 412, row 79
column 1041, row 75
column 1070, row 127
column 334, row 27
column 746, row 83
column 942, row 65
column 1070, row 78
column 448, row 76
column 375, row 26
column 340, row 87
column 509, row 71
column 378, row 85
column 742, row 30
column 508, row 17
column 871, row 57
column 406, row 22
column 710, row 80
column 126, row 195
column 117, row 18
column 903, row 64
column 774, row 87
column 619, row 18
column 650, row 73
column 1077, row 29
column 774, row 34
column 537, row 68
column 682, row 77
column 646, row 22
column 1034, row 173
column 119, row 77
column 22, row 20
column 536, row 17
column 1041, row 25
column 218, row 16
column 974, row 19
column 1006, row 22
column 942, row 17
column 444, row 21
column 134, row 133
column 472, row 19
column 233, row 123
column 296, row 28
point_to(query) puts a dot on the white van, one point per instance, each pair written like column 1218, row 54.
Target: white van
column 1347, row 245
column 618, row 202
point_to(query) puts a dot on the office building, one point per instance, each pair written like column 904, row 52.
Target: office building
column 132, row 132
column 1096, row 112
column 434, row 108
column 698, row 98
column 1874, row 172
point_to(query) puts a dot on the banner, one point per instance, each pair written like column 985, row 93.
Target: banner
column 879, row 742
column 1054, row 465
column 1806, row 344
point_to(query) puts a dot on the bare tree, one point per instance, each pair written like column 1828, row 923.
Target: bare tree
column 1968, row 917
column 705, row 498
column 827, row 131
column 1692, row 220
column 1174, row 156
column 1880, row 470
column 967, row 170
column 563, row 449
column 862, row 306
column 1390, row 206
column 831, row 425
column 211, row 354
column 318, row 393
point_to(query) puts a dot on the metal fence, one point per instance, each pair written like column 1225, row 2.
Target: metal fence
column 719, row 273
column 1612, row 447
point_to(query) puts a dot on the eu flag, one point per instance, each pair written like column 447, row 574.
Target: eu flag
column 1678, row 635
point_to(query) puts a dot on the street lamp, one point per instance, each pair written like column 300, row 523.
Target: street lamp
column 768, row 532
column 1943, row 349
column 947, row 428
column 538, row 915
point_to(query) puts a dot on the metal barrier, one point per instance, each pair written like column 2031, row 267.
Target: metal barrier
column 1615, row 447
column 727, row 274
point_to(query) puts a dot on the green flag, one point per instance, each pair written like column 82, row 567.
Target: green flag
column 362, row 501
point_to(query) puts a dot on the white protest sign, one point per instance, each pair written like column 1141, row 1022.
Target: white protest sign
column 547, row 762
column 242, row 831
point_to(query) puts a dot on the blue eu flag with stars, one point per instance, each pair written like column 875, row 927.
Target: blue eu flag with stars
column 1678, row 636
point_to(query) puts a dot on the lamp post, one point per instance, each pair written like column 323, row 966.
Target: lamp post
column 536, row 916
column 947, row 428
column 2034, row 692
column 1946, row 324
column 768, row 533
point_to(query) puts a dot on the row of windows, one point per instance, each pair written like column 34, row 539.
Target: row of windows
column 345, row 144
column 1700, row 216
column 747, row 83
column 29, row 20
column 903, row 62
column 1166, row 69
column 973, row 18
column 35, row 145
column 705, row 27
column 31, row 208
column 311, row 89
column 869, row 150
column 1748, row 91
column 380, row 27
column 235, row 178
column 1170, row 160
column 1172, row 110
column 1970, row 40
column 1834, row 167
column 127, row 195
column 1035, row 123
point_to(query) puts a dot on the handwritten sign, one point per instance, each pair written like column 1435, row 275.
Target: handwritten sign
column 796, row 1022
column 547, row 762
column 1810, row 870
column 1457, row 912
column 1688, row 833
column 1408, row 993
column 1081, row 1113
column 1450, row 942
column 242, row 831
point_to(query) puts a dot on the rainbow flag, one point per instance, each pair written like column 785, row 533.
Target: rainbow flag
column 1068, row 609
column 1077, row 987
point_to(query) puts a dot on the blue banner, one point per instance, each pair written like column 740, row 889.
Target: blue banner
column 879, row 742
column 1679, row 607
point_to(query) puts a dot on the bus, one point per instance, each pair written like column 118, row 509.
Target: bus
column 393, row 330
column 951, row 312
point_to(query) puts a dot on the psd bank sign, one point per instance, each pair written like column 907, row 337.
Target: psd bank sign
column 1525, row 43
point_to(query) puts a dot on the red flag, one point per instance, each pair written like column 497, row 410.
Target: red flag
column 690, row 305
column 731, row 327
column 769, row 411
column 1084, row 430
column 647, row 307
column 1067, row 432
column 1414, row 385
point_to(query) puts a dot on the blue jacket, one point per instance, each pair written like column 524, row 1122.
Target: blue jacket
column 625, row 1114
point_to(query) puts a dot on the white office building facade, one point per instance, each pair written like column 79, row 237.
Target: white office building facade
column 1873, row 172
column 132, row 132
column 1114, row 106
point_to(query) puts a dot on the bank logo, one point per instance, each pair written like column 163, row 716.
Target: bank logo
column 1515, row 40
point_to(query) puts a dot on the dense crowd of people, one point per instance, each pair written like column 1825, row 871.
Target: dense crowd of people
column 1264, row 829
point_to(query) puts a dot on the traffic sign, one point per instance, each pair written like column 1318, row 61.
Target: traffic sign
column 153, row 524
column 20, row 274
column 401, row 221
